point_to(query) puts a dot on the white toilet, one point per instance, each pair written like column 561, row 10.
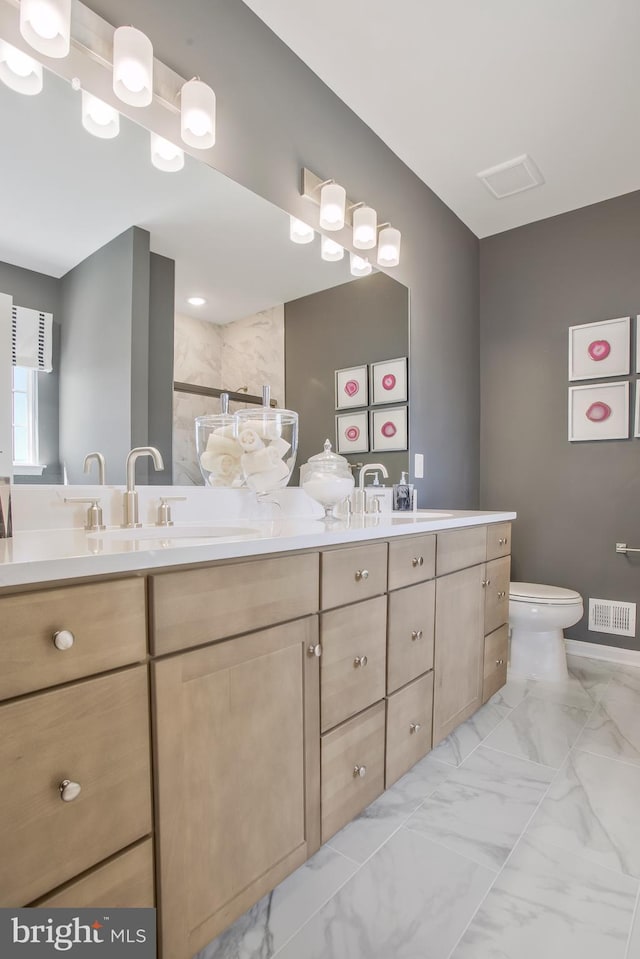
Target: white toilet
column 537, row 616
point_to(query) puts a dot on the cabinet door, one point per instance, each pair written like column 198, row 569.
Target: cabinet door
column 496, row 600
column 238, row 767
column 459, row 649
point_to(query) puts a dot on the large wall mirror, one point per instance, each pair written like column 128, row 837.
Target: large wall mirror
column 114, row 248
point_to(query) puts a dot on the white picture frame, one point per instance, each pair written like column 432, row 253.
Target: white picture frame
column 637, row 344
column 599, row 411
column 601, row 349
column 352, row 387
column 352, row 432
column 636, row 417
column 389, row 429
column 389, row 381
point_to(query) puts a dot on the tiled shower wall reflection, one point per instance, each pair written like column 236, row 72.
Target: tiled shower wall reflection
column 242, row 355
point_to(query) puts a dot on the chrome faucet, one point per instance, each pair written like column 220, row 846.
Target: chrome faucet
column 130, row 499
column 368, row 467
column 102, row 466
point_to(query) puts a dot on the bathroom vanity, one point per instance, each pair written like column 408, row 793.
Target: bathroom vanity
column 185, row 725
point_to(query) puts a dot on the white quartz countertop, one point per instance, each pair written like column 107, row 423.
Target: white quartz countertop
column 46, row 555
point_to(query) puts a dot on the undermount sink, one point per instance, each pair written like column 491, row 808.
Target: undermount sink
column 173, row 533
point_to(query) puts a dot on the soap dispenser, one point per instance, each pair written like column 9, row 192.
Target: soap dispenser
column 403, row 494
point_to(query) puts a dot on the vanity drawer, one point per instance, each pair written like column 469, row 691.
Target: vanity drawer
column 107, row 620
column 352, row 667
column 496, row 650
column 95, row 733
column 349, row 575
column 124, row 882
column 498, row 540
column 410, row 633
column 198, row 606
column 460, row 548
column 352, row 768
column 496, row 600
column 409, row 726
column 412, row 559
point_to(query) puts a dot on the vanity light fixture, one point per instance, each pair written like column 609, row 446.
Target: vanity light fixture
column 196, row 300
column 99, row 118
column 198, row 114
column 330, row 250
column 46, row 26
column 360, row 265
column 388, row 246
column 18, row 71
column 132, row 67
column 333, row 202
column 365, row 227
column 166, row 156
column 299, row 232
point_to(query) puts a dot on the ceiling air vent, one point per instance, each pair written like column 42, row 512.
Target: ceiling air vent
column 607, row 616
column 511, row 177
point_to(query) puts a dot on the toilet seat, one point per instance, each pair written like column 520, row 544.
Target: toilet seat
column 543, row 595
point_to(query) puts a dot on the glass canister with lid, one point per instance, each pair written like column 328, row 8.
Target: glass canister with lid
column 327, row 478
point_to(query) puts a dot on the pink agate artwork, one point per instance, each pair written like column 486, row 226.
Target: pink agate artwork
column 352, row 433
column 351, row 387
column 388, row 429
column 388, row 381
column 599, row 350
column 598, row 412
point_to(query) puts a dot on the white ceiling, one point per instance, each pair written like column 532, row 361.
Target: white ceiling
column 66, row 193
column 456, row 86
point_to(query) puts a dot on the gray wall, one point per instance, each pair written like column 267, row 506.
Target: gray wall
column 105, row 302
column 39, row 292
column 274, row 117
column 360, row 322
column 574, row 501
column 160, row 352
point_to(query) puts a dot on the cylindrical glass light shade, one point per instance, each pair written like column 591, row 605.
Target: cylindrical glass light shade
column 166, row 156
column 99, row 118
column 333, row 198
column 365, row 228
column 132, row 67
column 46, row 26
column 360, row 265
column 18, row 71
column 330, row 250
column 389, row 247
column 300, row 232
column 198, row 114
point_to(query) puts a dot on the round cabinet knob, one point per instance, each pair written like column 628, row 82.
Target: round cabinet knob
column 417, row 561
column 360, row 661
column 359, row 772
column 415, row 727
column 314, row 650
column 416, row 634
column 499, row 662
column 69, row 790
column 362, row 574
column 63, row 639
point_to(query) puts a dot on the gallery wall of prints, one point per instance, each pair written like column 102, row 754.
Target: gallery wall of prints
column 602, row 351
column 371, row 407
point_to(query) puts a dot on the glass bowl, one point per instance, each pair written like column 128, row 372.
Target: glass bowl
column 268, row 439
column 218, row 450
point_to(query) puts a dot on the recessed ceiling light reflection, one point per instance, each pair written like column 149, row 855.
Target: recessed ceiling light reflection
column 196, row 301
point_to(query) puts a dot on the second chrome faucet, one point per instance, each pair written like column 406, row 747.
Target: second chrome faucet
column 130, row 518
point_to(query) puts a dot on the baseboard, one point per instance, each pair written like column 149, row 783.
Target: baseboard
column 611, row 654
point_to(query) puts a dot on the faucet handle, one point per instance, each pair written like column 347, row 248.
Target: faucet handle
column 164, row 510
column 93, row 521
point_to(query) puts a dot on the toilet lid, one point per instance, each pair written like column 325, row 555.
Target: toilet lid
column 545, row 595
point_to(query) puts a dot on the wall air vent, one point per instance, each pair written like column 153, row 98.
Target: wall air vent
column 607, row 616
column 513, row 176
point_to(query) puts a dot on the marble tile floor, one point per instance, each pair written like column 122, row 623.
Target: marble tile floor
column 516, row 838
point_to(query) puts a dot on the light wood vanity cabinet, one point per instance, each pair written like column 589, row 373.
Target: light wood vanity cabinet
column 287, row 693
